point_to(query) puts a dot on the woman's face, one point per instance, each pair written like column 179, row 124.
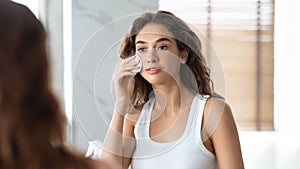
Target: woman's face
column 159, row 53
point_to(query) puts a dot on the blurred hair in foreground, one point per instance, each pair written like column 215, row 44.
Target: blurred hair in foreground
column 32, row 123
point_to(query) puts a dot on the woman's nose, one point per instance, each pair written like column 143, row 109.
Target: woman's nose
column 152, row 56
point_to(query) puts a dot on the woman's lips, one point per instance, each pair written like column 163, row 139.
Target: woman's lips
column 152, row 70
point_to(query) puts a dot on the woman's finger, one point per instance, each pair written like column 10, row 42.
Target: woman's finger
column 128, row 60
column 119, row 75
column 129, row 66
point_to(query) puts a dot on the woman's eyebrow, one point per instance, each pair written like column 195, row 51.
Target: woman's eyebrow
column 158, row 40
column 140, row 42
column 163, row 39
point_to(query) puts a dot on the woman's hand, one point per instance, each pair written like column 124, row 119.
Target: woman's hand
column 123, row 80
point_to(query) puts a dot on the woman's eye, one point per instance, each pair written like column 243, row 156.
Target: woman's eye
column 162, row 47
column 141, row 49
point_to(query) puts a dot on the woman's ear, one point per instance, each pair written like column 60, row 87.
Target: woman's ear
column 184, row 56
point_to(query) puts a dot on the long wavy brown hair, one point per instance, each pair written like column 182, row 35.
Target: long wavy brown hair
column 194, row 74
column 32, row 124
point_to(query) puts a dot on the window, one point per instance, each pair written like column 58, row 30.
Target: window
column 241, row 32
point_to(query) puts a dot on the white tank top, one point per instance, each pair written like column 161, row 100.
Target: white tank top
column 187, row 152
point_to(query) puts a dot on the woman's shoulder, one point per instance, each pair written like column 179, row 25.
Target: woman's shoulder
column 216, row 106
column 216, row 102
column 216, row 109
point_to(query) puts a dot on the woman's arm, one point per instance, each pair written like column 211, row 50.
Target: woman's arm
column 119, row 141
column 120, row 148
column 129, row 142
column 112, row 152
column 224, row 135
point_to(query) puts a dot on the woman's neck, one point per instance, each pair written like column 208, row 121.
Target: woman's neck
column 172, row 98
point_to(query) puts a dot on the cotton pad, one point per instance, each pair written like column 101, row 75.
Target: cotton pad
column 137, row 57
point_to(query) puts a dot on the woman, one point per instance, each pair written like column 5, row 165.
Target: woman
column 167, row 115
column 32, row 124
